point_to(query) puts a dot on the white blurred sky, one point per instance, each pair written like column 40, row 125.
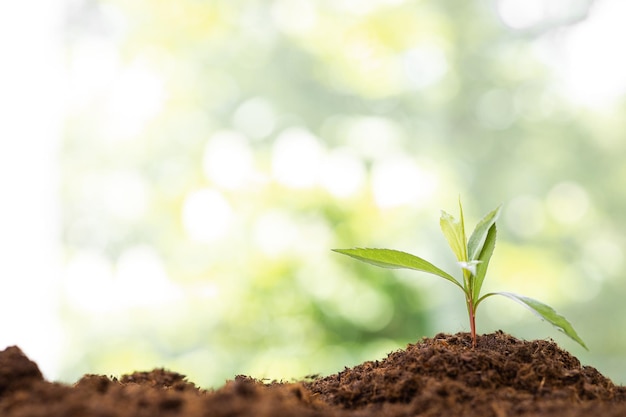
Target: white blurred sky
column 31, row 120
column 33, row 84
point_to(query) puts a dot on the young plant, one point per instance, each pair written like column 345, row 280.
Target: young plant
column 473, row 257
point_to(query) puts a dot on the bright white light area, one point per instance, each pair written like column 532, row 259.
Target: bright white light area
column 255, row 117
column 141, row 279
column 137, row 96
column 88, row 282
column 521, row 14
column 32, row 78
column 373, row 137
column 91, row 284
column 132, row 96
column 207, row 215
column 294, row 16
column 567, row 202
column 296, row 158
column 525, row 216
column 425, row 65
column 399, row 180
column 529, row 13
column 228, row 160
column 597, row 66
column 588, row 57
column 93, row 65
column 343, row 173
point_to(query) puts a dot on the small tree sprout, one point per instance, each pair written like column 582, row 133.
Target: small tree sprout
column 473, row 257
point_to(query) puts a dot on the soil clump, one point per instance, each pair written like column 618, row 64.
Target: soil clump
column 440, row 376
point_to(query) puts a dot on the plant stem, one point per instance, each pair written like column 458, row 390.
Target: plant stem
column 471, row 310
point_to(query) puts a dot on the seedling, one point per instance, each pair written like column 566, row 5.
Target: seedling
column 473, row 257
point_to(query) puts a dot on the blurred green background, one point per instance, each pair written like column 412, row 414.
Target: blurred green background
column 215, row 151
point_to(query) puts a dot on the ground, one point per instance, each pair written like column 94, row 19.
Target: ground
column 440, row 376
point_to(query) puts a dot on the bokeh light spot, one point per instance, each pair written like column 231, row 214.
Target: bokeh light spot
column 522, row 14
column 373, row 137
column 425, row 65
column 88, row 282
column 137, row 96
column 399, row 180
column 567, row 202
column 255, row 117
column 141, row 278
column 343, row 173
column 595, row 72
column 207, row 215
column 582, row 56
column 296, row 158
column 606, row 255
column 228, row 160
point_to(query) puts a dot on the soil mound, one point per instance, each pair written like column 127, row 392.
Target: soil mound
column 442, row 376
column 446, row 376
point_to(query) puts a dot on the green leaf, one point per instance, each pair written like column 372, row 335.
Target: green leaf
column 545, row 312
column 484, row 257
column 389, row 258
column 454, row 231
column 478, row 237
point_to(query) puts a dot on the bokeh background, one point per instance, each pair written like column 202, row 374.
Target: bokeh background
column 175, row 173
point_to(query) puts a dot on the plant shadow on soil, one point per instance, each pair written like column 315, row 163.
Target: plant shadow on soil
column 440, row 376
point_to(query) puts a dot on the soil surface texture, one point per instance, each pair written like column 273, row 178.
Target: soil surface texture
column 440, row 376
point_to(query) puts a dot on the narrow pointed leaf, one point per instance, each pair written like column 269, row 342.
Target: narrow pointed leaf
column 454, row 232
column 545, row 312
column 484, row 257
column 479, row 236
column 389, row 258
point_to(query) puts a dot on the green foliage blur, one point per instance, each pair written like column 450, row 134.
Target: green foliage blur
column 217, row 150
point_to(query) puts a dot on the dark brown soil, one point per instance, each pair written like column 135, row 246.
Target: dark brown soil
column 442, row 376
